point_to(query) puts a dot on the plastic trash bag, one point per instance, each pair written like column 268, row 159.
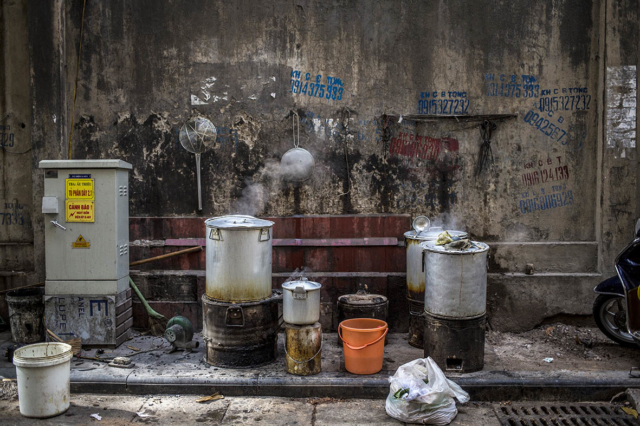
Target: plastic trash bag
column 420, row 393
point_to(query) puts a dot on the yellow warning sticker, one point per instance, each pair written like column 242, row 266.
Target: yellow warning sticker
column 80, row 189
column 81, row 243
column 79, row 211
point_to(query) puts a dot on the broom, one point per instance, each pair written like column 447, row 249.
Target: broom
column 157, row 322
column 76, row 343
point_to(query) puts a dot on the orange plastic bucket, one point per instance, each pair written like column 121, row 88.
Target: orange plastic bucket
column 363, row 344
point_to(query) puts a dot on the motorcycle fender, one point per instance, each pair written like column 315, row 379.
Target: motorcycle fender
column 611, row 286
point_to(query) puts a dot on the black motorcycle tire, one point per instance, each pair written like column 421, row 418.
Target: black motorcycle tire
column 600, row 301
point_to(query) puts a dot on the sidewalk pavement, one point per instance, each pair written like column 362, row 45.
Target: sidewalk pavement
column 174, row 409
column 585, row 367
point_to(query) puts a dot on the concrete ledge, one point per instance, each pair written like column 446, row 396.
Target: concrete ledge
column 483, row 386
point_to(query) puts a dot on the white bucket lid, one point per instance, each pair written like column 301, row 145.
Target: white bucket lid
column 42, row 355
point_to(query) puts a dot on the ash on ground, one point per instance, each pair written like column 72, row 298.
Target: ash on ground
column 570, row 346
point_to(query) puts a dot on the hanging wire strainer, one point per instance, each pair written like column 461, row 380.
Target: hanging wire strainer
column 196, row 136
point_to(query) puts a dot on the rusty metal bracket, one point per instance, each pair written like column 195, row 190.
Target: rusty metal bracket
column 264, row 235
column 215, row 234
column 234, row 316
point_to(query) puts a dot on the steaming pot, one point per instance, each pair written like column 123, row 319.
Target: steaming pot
column 415, row 265
column 301, row 302
column 238, row 258
column 455, row 281
column 422, row 232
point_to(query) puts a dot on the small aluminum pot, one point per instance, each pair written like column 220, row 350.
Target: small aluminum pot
column 301, row 302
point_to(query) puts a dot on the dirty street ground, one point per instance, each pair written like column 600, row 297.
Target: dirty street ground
column 574, row 349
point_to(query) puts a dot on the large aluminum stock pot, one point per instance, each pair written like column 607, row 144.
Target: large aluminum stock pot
column 455, row 281
column 238, row 258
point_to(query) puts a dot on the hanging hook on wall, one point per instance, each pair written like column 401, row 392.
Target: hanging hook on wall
column 295, row 118
column 346, row 117
column 485, row 158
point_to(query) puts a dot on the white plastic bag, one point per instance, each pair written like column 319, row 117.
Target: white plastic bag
column 420, row 393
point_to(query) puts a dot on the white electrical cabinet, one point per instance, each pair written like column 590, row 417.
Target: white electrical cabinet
column 86, row 221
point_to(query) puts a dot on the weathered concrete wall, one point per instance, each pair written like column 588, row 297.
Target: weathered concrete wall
column 16, row 206
column 146, row 67
column 618, row 138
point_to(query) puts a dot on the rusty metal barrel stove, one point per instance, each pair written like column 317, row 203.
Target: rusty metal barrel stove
column 421, row 233
column 455, row 345
column 240, row 335
column 455, row 306
column 240, row 310
column 303, row 348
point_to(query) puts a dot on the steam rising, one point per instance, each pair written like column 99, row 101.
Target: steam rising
column 253, row 200
column 299, row 273
column 449, row 222
column 258, row 189
column 255, row 195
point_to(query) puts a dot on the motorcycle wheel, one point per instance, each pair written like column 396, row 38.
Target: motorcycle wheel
column 611, row 317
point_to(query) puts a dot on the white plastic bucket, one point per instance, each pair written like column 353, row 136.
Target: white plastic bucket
column 43, row 371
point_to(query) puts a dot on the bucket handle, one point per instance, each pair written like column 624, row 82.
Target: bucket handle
column 361, row 347
column 295, row 360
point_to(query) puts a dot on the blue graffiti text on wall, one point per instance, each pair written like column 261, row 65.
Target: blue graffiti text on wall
column 443, row 102
column 545, row 126
column 546, row 172
column 313, row 86
column 542, row 199
column 15, row 217
column 370, row 130
column 565, row 99
column 6, row 137
column 511, row 86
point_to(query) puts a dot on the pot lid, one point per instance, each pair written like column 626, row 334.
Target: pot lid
column 432, row 234
column 302, row 282
column 237, row 222
column 476, row 247
column 362, row 298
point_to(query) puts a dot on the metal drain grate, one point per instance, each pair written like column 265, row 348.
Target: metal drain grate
column 557, row 414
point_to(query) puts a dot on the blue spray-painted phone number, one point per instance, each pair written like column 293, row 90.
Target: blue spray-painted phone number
column 443, row 106
column 546, row 202
column 512, row 90
column 545, row 126
column 333, row 90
